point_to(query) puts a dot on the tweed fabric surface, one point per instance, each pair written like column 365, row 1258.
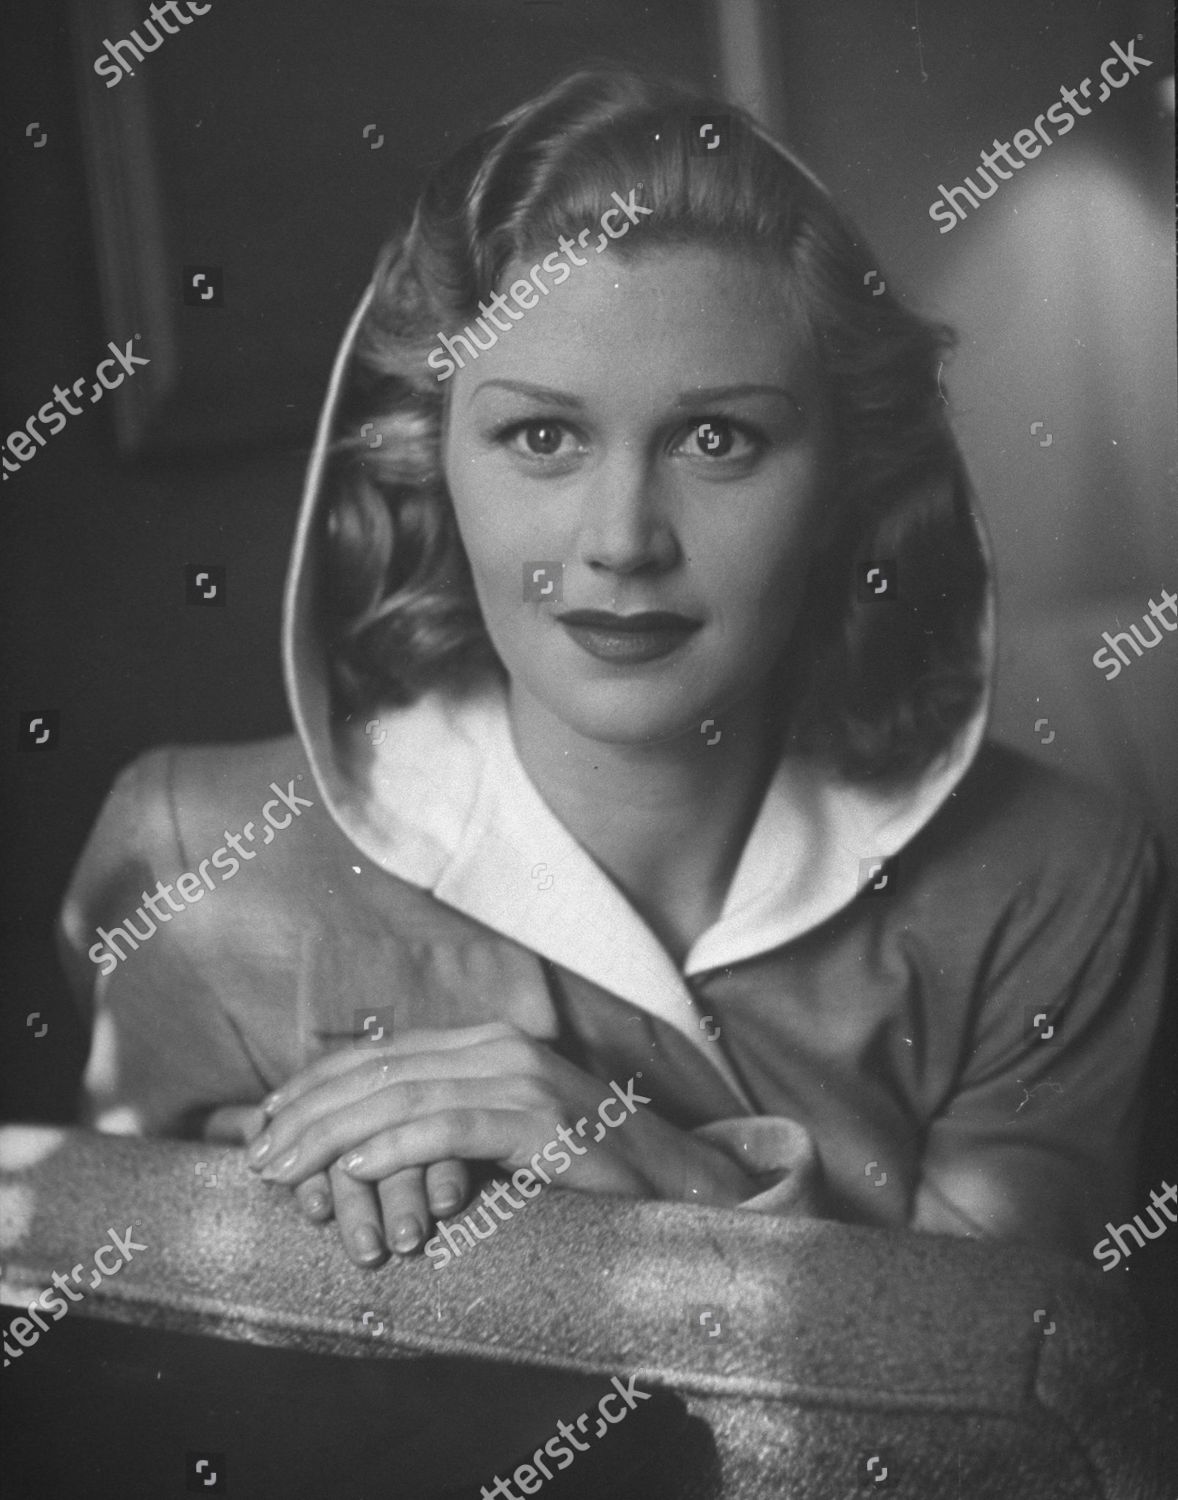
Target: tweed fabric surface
column 834, row 1341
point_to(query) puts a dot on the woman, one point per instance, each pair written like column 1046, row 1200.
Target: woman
column 638, row 640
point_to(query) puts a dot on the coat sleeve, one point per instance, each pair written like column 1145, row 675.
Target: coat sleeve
column 163, row 1051
column 1040, row 1137
column 780, row 1157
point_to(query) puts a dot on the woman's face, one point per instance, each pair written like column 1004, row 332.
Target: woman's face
column 647, row 440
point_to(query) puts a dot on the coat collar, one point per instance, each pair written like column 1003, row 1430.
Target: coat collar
column 443, row 802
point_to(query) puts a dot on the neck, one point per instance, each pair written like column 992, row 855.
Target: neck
column 666, row 821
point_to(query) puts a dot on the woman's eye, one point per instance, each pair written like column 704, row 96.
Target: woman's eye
column 537, row 439
column 716, row 437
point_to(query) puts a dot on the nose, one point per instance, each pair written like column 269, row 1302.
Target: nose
column 625, row 526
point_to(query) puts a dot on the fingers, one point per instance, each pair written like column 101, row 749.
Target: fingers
column 234, row 1124
column 358, row 1214
column 407, row 1217
column 283, row 1154
column 408, row 1043
column 410, row 1200
column 507, row 1058
column 513, row 1139
column 365, row 1077
column 499, row 1135
column 314, row 1198
column 448, row 1187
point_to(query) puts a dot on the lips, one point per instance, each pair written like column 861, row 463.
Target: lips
column 633, row 638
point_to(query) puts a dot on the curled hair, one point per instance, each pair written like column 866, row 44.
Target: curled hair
column 876, row 690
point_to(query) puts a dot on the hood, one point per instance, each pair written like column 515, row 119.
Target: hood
column 435, row 794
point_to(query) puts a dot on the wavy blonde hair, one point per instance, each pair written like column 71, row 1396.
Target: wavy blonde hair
column 876, row 690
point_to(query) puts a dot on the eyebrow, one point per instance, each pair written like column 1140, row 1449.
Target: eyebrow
column 721, row 392
column 522, row 388
column 685, row 403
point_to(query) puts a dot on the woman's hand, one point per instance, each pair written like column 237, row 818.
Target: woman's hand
column 398, row 1211
column 395, row 1213
column 489, row 1093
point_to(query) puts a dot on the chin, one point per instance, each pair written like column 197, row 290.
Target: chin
column 628, row 713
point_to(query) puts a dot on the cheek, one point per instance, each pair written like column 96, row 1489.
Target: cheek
column 503, row 536
column 484, row 541
column 763, row 565
column 497, row 557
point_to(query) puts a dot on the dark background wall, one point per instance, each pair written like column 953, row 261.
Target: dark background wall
column 1061, row 284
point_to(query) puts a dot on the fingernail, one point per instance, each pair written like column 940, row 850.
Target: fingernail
column 446, row 1198
column 352, row 1163
column 367, row 1242
column 316, row 1203
column 280, row 1168
column 407, row 1233
column 261, row 1149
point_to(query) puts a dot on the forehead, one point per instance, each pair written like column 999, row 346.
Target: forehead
column 650, row 327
